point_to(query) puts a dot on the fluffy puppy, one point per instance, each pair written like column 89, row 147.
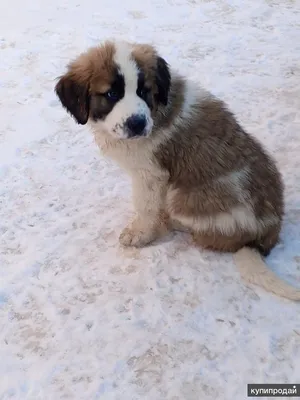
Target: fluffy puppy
column 193, row 167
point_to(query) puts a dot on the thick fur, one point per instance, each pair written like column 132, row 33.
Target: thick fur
column 193, row 167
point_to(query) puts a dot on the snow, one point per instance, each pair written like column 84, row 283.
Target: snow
column 81, row 318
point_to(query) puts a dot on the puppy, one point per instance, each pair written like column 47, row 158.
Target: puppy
column 192, row 165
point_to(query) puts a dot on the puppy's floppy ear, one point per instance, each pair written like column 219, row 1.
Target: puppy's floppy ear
column 163, row 80
column 74, row 96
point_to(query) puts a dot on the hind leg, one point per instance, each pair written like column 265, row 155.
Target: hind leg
column 267, row 242
column 220, row 242
column 232, row 243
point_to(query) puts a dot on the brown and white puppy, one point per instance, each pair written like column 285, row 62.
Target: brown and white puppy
column 192, row 165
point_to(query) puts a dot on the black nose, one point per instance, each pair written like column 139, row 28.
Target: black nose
column 136, row 125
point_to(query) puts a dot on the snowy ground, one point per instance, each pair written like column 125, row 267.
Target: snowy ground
column 80, row 318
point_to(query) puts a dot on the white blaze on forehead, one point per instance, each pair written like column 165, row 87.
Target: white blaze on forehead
column 128, row 67
column 131, row 104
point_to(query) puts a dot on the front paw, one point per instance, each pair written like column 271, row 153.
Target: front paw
column 134, row 236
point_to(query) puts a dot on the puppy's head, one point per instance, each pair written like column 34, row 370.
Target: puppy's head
column 118, row 86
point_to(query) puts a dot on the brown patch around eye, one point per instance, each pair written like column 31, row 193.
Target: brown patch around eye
column 99, row 107
column 102, row 102
column 100, row 88
column 156, row 73
column 92, row 70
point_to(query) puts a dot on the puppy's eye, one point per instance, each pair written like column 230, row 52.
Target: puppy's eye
column 143, row 92
column 112, row 95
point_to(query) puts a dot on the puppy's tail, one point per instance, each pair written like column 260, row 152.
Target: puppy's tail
column 254, row 270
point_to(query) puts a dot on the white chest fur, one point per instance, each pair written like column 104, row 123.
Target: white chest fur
column 135, row 156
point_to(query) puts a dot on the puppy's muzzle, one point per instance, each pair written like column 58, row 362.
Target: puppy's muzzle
column 135, row 125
